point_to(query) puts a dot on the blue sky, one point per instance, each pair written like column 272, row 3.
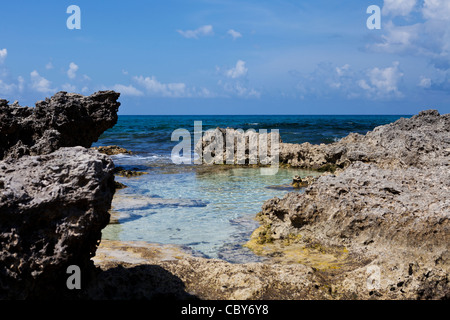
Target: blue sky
column 232, row 57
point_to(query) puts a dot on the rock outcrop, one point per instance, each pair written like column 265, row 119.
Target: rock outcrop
column 387, row 208
column 52, row 210
column 422, row 139
column 64, row 120
column 231, row 146
column 54, row 192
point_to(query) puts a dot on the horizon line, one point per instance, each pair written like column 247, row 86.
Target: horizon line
column 192, row 115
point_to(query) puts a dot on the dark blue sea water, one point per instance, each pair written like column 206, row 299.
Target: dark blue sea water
column 208, row 211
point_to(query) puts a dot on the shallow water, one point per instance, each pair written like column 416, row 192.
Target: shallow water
column 210, row 211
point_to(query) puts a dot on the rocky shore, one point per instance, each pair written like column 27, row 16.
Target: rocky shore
column 375, row 225
column 387, row 207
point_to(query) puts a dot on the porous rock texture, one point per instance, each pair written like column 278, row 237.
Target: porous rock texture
column 64, row 120
column 389, row 206
column 54, row 193
column 232, row 146
column 421, row 140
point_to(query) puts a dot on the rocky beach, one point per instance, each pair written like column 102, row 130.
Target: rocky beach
column 373, row 225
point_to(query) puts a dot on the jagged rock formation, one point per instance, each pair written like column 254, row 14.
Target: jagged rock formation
column 64, row 120
column 54, row 193
column 231, row 146
column 53, row 208
column 389, row 206
column 423, row 139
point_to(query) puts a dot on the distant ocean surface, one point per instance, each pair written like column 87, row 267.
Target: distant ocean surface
column 209, row 212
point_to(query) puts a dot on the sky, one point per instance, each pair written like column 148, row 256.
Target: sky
column 231, row 57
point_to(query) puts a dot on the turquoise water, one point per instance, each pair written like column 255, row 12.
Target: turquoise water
column 207, row 210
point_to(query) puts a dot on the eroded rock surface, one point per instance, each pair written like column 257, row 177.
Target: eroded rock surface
column 421, row 140
column 64, row 120
column 52, row 210
column 54, row 193
column 388, row 207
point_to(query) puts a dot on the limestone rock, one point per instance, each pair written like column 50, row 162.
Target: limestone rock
column 64, row 120
column 52, row 210
column 389, row 206
column 231, row 146
column 112, row 150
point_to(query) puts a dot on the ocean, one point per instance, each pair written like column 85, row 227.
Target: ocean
column 208, row 211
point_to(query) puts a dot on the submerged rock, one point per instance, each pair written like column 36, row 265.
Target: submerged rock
column 52, row 210
column 127, row 173
column 112, row 150
column 64, row 120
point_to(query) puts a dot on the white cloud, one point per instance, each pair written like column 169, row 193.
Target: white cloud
column 154, row 87
column 329, row 81
column 40, row 84
column 428, row 37
column 202, row 31
column 398, row 7
column 425, row 82
column 341, row 70
column 72, row 72
column 7, row 88
column 127, row 90
column 49, row 66
column 235, row 34
column 238, row 71
column 69, row 87
column 436, row 9
column 12, row 88
column 383, row 82
column 3, row 54
column 240, row 90
column 21, row 83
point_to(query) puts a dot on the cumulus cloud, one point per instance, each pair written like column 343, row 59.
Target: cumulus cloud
column 423, row 30
column 40, row 84
column 154, row 87
column 201, row 31
column 7, row 88
column 436, row 9
column 234, row 34
column 328, row 81
column 72, row 72
column 383, row 82
column 428, row 37
column 127, row 90
column 398, row 7
column 425, row 82
column 3, row 54
column 49, row 66
column 237, row 71
column 240, row 90
column 235, row 83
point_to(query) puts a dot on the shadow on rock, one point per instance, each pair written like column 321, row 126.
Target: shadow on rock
column 143, row 282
